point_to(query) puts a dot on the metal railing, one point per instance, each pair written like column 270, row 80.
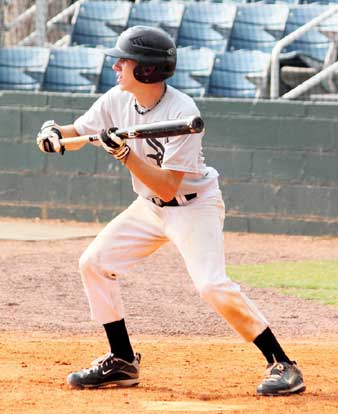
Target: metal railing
column 39, row 13
column 281, row 44
column 2, row 22
column 310, row 83
column 43, row 27
column 21, row 18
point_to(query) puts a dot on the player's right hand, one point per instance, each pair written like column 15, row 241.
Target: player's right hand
column 113, row 144
column 48, row 139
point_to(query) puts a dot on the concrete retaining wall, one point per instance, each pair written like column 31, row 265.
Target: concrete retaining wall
column 277, row 161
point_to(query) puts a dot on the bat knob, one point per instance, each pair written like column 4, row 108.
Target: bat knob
column 197, row 124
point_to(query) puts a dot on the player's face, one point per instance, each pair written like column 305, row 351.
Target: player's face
column 124, row 74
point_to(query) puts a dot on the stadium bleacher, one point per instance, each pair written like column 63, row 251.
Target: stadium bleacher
column 15, row 79
column 220, row 45
column 99, row 23
column 22, row 67
column 107, row 77
column 73, row 69
column 159, row 14
column 311, row 48
column 207, row 25
column 240, row 74
column 258, row 27
column 193, row 70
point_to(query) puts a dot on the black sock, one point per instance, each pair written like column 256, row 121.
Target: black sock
column 119, row 340
column 270, row 347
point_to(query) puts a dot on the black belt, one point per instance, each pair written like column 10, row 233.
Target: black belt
column 174, row 202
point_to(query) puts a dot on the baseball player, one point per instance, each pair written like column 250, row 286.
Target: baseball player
column 179, row 200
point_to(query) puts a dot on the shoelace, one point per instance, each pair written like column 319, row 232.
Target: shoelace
column 101, row 359
column 274, row 376
column 99, row 362
column 107, row 362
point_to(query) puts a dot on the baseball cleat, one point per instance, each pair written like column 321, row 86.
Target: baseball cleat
column 281, row 378
column 107, row 370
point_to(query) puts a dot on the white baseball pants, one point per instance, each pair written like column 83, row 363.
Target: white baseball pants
column 197, row 231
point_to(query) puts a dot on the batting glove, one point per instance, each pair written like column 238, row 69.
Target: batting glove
column 113, row 144
column 48, row 139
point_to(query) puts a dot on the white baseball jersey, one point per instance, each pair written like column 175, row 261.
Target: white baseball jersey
column 183, row 153
column 196, row 228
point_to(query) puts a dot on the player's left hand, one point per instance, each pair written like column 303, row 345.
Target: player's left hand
column 113, row 144
column 48, row 139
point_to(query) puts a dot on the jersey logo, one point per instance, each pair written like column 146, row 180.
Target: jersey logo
column 158, row 147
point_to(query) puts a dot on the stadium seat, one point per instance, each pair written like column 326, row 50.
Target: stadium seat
column 99, row 23
column 292, row 2
column 228, row 1
column 107, row 77
column 14, row 79
column 240, row 74
column 28, row 65
column 207, row 24
column 158, row 14
column 317, row 1
column 313, row 47
column 193, row 69
column 73, row 69
column 258, row 26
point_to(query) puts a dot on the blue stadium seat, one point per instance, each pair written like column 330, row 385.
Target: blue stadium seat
column 93, row 34
column 99, row 23
column 108, row 76
column 289, row 2
column 158, row 14
column 187, row 84
column 313, row 47
column 258, row 26
column 14, row 79
column 318, row 1
column 193, row 69
column 228, row 1
column 240, row 74
column 30, row 61
column 73, row 69
column 207, row 24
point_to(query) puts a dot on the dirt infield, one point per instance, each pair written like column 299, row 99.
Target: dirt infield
column 191, row 361
column 180, row 375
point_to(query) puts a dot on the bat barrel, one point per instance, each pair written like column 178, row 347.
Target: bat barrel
column 197, row 124
column 161, row 129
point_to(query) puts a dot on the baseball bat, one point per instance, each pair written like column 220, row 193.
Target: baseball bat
column 170, row 128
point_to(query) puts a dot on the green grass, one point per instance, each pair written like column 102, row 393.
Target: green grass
column 307, row 280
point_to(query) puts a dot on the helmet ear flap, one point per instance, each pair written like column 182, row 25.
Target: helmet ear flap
column 146, row 73
column 149, row 69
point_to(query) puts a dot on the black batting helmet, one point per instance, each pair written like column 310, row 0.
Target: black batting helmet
column 152, row 48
